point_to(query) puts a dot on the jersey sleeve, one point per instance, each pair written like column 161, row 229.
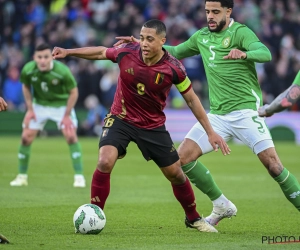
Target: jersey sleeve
column 186, row 49
column 246, row 37
column 297, row 79
column 112, row 53
column 180, row 79
column 24, row 76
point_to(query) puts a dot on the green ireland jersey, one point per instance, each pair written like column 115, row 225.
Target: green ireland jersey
column 297, row 79
column 233, row 84
column 50, row 88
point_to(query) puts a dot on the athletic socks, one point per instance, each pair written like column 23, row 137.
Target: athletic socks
column 100, row 188
column 76, row 156
column 290, row 187
column 185, row 195
column 23, row 155
column 200, row 176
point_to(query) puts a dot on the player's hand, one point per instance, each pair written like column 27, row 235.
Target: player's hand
column 235, row 54
column 125, row 39
column 3, row 104
column 262, row 111
column 58, row 52
column 218, row 142
column 67, row 125
column 30, row 115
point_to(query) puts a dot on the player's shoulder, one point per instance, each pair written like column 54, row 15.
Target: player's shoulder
column 238, row 26
column 174, row 63
column 128, row 47
column 60, row 68
column 29, row 68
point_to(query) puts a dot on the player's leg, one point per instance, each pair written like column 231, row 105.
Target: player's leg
column 286, row 180
column 73, row 143
column 114, row 140
column 194, row 145
column 157, row 145
column 100, row 187
column 27, row 138
column 252, row 130
column 28, row 135
column 184, row 193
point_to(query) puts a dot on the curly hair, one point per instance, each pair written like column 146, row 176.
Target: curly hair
column 224, row 3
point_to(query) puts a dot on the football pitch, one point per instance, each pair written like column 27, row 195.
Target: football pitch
column 141, row 210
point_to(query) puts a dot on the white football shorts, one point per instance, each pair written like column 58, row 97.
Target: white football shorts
column 244, row 125
column 45, row 113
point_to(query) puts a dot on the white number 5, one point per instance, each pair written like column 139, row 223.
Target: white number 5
column 212, row 52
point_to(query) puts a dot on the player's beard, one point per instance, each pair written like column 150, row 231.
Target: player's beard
column 219, row 27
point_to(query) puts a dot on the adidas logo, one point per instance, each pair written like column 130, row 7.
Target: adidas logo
column 130, row 71
column 95, row 199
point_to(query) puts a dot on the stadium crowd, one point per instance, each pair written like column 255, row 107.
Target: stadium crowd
column 78, row 23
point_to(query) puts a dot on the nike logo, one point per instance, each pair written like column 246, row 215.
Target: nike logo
column 204, row 40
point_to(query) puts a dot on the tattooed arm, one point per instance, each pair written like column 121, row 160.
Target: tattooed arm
column 283, row 101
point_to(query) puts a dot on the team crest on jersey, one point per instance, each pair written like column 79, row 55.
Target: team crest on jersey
column 54, row 81
column 159, row 78
column 226, row 42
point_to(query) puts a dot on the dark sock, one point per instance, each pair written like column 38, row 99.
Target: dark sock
column 100, row 188
column 185, row 195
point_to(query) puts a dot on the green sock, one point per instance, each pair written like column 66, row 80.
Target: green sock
column 200, row 176
column 23, row 155
column 76, row 156
column 290, row 187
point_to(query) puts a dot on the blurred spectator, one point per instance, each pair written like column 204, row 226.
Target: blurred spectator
column 92, row 125
column 12, row 90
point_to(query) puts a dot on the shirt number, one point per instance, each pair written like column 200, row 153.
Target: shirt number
column 44, row 86
column 213, row 54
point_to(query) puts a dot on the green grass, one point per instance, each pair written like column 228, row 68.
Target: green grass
column 141, row 210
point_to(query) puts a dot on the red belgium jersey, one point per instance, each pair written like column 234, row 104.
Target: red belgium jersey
column 142, row 90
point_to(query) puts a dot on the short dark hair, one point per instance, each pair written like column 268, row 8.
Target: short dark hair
column 42, row 46
column 224, row 3
column 158, row 25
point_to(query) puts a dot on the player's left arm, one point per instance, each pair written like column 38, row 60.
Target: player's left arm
column 196, row 107
column 251, row 48
column 66, row 121
column 71, row 86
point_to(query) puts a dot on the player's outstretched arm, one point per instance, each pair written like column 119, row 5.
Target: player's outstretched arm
column 90, row 53
column 281, row 102
column 3, row 104
column 195, row 105
column 125, row 39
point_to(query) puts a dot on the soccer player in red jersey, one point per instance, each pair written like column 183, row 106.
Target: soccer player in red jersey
column 147, row 72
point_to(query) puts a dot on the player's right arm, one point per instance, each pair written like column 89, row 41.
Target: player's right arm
column 90, row 53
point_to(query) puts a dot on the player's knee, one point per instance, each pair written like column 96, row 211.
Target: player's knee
column 105, row 165
column 71, row 139
column 26, row 139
